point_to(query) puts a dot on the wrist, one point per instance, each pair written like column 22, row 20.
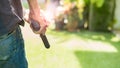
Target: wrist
column 35, row 16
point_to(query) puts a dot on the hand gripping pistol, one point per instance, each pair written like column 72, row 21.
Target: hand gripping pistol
column 35, row 27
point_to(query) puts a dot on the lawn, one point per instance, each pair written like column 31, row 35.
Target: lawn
column 82, row 49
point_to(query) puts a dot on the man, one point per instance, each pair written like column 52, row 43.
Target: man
column 12, row 54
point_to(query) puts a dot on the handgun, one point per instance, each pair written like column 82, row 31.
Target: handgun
column 35, row 27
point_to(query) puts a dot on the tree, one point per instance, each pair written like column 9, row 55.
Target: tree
column 101, row 15
column 85, row 14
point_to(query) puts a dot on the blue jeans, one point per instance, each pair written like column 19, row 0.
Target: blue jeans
column 12, row 54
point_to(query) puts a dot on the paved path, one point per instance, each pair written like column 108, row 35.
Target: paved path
column 117, row 32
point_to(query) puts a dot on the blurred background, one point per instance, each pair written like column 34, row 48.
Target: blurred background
column 82, row 34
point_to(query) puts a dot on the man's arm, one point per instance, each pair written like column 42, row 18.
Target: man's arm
column 36, row 15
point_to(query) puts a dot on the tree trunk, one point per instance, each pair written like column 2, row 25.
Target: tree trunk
column 100, row 18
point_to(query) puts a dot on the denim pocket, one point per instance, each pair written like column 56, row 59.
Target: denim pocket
column 7, row 46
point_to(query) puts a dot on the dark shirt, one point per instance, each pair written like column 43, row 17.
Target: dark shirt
column 10, row 15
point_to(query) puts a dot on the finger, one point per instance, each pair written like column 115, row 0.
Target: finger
column 42, row 30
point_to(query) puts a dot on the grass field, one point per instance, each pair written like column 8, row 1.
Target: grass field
column 82, row 49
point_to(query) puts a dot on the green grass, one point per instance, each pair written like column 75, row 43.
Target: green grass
column 82, row 49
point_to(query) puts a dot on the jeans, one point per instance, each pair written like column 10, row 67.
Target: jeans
column 12, row 53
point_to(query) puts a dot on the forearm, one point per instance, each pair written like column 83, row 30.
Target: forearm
column 36, row 15
column 34, row 7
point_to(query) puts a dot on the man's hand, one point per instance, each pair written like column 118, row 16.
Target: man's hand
column 37, row 15
column 41, row 20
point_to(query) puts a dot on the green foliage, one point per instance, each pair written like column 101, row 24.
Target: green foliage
column 87, row 1
column 74, row 14
column 73, row 19
column 99, row 3
column 68, row 1
column 101, row 18
column 78, row 2
column 25, row 5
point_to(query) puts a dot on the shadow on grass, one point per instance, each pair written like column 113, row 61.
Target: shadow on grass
column 98, row 59
column 93, row 59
